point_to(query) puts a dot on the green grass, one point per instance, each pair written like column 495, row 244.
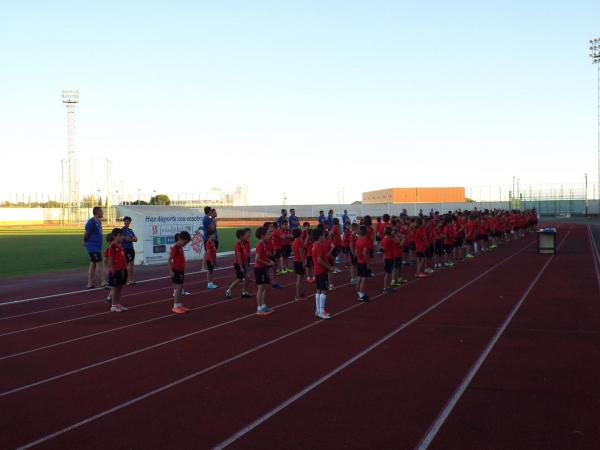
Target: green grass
column 29, row 250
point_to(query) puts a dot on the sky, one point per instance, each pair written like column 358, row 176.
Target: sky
column 299, row 98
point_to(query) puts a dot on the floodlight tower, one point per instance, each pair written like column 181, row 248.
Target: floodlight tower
column 70, row 99
column 595, row 55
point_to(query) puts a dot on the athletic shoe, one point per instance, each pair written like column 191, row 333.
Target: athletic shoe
column 429, row 270
column 118, row 308
column 228, row 294
column 331, row 287
column 108, row 300
column 131, row 283
column 277, row 286
column 394, row 283
column 91, row 286
column 323, row 315
column 469, row 256
column 388, row 290
column 354, row 281
column 289, row 270
column 179, row 310
column 185, row 293
column 280, row 272
column 402, row 280
column 364, row 299
column 246, row 295
column 421, row 275
column 264, row 311
column 336, row 270
column 310, row 280
column 211, row 285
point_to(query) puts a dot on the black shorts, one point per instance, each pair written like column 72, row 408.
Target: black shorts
column 322, row 281
column 377, row 238
column 371, row 252
column 95, row 257
column 398, row 262
column 345, row 250
column 209, row 266
column 448, row 248
column 429, row 251
column 177, row 277
column 309, row 261
column 277, row 255
column 460, row 241
column 420, row 254
column 406, row 249
column 354, row 260
column 470, row 241
column 261, row 276
column 363, row 270
column 336, row 251
column 129, row 254
column 481, row 237
column 388, row 265
column 216, row 241
column 117, row 278
column 412, row 246
column 298, row 268
column 286, row 251
column 439, row 248
column 239, row 272
column 273, row 258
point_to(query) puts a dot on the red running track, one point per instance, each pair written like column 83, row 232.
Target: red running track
column 375, row 376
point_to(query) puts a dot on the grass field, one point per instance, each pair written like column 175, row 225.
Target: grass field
column 29, row 250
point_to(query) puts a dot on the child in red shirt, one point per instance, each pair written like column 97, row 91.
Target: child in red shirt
column 177, row 269
column 285, row 238
column 299, row 248
column 262, row 263
column 240, row 262
column 420, row 236
column 117, row 269
column 308, row 245
column 210, row 258
column 363, row 256
column 387, row 245
column 322, row 270
column 109, row 239
column 353, row 258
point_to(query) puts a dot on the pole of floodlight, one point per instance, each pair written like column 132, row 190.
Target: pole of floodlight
column 595, row 55
column 70, row 98
column 586, row 195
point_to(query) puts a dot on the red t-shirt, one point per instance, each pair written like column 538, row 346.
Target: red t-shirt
column 296, row 246
column 336, row 237
column 361, row 245
column 240, row 253
column 470, row 229
column 276, row 239
column 449, row 232
column 388, row 247
column 379, row 229
column 346, row 238
column 262, row 252
column 285, row 236
column 117, row 254
column 247, row 249
column 397, row 249
column 210, row 251
column 420, row 239
column 178, row 257
column 318, row 250
column 370, row 237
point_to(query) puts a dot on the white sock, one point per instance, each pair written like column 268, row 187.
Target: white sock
column 361, row 294
column 322, row 301
column 177, row 305
column 317, row 302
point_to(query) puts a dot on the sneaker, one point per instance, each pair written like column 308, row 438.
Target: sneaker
column 331, row 287
column 116, row 308
column 421, row 275
column 211, row 285
column 354, row 281
column 364, row 299
column 277, row 286
column 91, row 286
column 178, row 310
column 388, row 291
column 131, row 283
column 185, row 308
column 124, row 308
column 246, row 295
column 108, row 300
column 402, row 280
column 469, row 256
column 228, row 294
column 336, row 270
column 289, row 270
column 265, row 311
column 429, row 270
column 310, row 280
column 394, row 283
column 185, row 293
column 323, row 315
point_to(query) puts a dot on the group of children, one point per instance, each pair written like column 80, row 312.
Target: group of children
column 431, row 243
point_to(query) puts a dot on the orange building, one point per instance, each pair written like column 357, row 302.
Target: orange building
column 415, row 195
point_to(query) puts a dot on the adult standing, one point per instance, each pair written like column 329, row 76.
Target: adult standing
column 92, row 241
column 322, row 220
column 208, row 223
column 345, row 219
column 293, row 220
column 330, row 220
column 130, row 238
column 213, row 214
column 283, row 217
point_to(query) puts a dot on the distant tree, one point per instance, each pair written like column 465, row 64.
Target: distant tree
column 469, row 200
column 139, row 202
column 160, row 199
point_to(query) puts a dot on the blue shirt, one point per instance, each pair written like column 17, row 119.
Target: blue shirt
column 206, row 225
column 329, row 222
column 294, row 222
column 321, row 219
column 281, row 219
column 128, row 232
column 94, row 243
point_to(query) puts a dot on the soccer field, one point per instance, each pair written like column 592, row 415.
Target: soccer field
column 30, row 250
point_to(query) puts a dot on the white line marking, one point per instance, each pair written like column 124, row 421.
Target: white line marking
column 451, row 403
column 221, row 363
column 356, row 357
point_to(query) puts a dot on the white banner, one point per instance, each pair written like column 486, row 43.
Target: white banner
column 159, row 236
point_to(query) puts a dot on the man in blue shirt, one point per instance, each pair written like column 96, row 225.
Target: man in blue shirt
column 130, row 238
column 345, row 219
column 92, row 241
column 293, row 220
column 330, row 220
column 283, row 217
column 209, row 223
column 322, row 219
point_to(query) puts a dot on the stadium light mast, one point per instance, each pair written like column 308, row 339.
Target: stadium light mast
column 595, row 55
column 70, row 98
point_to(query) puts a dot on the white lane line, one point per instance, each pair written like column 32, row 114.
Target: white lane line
column 219, row 364
column 97, row 301
column 231, row 439
column 84, row 291
column 453, row 400
column 111, row 330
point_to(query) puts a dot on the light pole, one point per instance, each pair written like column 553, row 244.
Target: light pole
column 595, row 55
column 586, row 195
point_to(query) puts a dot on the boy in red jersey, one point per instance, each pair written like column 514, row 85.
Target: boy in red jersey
column 308, row 245
column 262, row 263
column 299, row 248
column 322, row 269
column 470, row 235
column 177, row 269
column 363, row 256
column 420, row 236
column 335, row 237
column 449, row 242
column 285, row 237
column 353, row 258
column 210, row 258
column 379, row 234
column 345, row 246
column 117, row 270
column 109, row 239
column 240, row 262
column 388, row 245
column 399, row 239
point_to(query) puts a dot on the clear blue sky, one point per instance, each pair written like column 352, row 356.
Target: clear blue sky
column 185, row 95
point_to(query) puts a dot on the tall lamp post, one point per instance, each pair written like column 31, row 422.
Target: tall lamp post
column 595, row 55
column 586, row 197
